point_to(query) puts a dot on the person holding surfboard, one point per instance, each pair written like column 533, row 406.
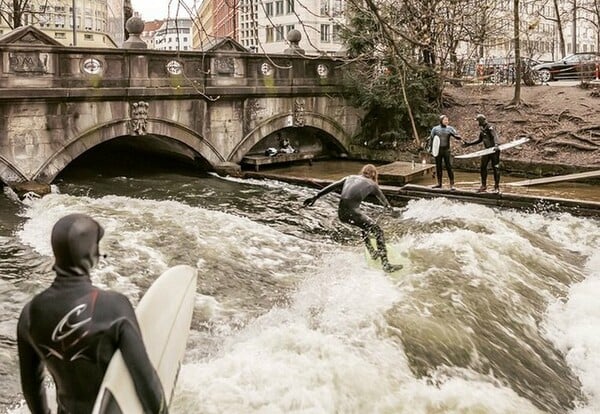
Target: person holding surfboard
column 354, row 189
column 73, row 329
column 489, row 137
column 439, row 146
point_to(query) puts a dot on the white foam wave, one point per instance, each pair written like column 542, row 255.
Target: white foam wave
column 427, row 211
column 573, row 325
column 328, row 352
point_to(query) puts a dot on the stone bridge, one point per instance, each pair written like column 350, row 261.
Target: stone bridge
column 210, row 107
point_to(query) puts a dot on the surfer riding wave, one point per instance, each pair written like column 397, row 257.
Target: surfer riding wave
column 354, row 189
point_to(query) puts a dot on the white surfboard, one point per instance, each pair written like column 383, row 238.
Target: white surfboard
column 435, row 146
column 490, row 150
column 164, row 315
column 396, row 260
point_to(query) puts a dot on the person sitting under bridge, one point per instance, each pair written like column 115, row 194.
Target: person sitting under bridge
column 354, row 189
column 284, row 145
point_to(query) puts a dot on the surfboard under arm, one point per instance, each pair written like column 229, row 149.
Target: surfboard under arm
column 164, row 315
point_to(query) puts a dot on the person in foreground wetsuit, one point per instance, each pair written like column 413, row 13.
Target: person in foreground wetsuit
column 489, row 137
column 444, row 131
column 73, row 329
column 355, row 188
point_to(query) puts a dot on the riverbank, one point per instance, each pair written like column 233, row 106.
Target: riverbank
column 562, row 121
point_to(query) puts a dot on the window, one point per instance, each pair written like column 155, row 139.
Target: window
column 59, row 35
column 269, row 35
column 279, row 7
column 324, row 7
column 325, row 33
column 337, row 8
column 335, row 36
column 279, row 33
column 59, row 21
column 88, row 37
column 290, row 7
column 269, row 9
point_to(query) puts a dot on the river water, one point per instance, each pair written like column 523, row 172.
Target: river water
column 496, row 311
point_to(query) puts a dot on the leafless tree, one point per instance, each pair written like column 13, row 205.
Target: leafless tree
column 516, row 101
column 12, row 12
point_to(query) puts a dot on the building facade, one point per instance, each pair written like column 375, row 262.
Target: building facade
column 174, row 34
column 248, row 24
column 98, row 23
column 319, row 22
column 149, row 33
column 539, row 30
column 262, row 25
column 204, row 23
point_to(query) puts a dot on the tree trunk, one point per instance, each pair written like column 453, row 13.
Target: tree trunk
column 561, row 35
column 17, row 14
column 574, row 38
column 516, row 21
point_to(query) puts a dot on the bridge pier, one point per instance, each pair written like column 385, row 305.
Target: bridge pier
column 228, row 168
column 22, row 188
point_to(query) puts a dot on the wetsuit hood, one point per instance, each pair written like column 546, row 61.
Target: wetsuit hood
column 481, row 119
column 75, row 245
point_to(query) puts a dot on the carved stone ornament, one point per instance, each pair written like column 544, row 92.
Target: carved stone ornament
column 299, row 113
column 175, row 67
column 253, row 108
column 266, row 69
column 139, row 118
column 31, row 39
column 29, row 62
column 92, row 66
column 322, row 70
column 225, row 66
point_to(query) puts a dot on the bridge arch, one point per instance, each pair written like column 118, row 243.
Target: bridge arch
column 278, row 122
column 9, row 173
column 106, row 132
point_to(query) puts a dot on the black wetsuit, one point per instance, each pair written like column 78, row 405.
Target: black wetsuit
column 73, row 329
column 489, row 137
column 444, row 132
column 354, row 189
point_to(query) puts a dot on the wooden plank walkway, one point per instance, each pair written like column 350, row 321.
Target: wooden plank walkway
column 399, row 195
column 505, row 200
column 257, row 160
column 556, row 179
column 401, row 172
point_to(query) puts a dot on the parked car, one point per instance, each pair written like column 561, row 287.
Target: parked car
column 576, row 66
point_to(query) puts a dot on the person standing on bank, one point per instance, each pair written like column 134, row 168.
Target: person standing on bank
column 489, row 137
column 354, row 189
column 73, row 329
column 444, row 132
